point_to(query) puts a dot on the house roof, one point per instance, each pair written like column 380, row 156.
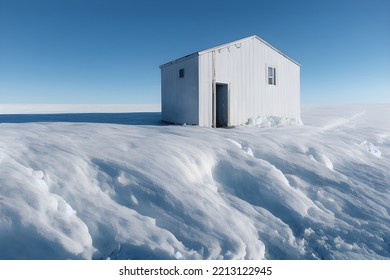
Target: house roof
column 226, row 45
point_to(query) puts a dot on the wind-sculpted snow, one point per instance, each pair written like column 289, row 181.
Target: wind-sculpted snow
column 124, row 191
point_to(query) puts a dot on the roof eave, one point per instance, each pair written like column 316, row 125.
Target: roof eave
column 179, row 59
column 246, row 39
column 226, row 45
column 275, row 49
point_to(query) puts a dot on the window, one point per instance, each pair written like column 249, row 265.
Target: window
column 181, row 73
column 272, row 76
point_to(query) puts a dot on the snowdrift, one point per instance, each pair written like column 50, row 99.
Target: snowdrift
column 96, row 190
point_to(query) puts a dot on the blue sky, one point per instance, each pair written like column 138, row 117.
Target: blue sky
column 108, row 51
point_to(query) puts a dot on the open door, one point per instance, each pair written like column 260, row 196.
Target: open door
column 222, row 94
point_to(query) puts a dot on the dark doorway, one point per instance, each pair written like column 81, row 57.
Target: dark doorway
column 222, row 105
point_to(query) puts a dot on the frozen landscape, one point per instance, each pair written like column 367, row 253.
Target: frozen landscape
column 123, row 186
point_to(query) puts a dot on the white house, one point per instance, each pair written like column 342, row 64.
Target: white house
column 228, row 84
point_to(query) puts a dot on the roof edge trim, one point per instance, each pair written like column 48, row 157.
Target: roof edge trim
column 246, row 39
column 179, row 59
column 226, row 45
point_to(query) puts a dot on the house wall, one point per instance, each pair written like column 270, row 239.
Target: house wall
column 179, row 96
column 243, row 65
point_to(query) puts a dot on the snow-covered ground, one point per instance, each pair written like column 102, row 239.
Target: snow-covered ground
column 123, row 186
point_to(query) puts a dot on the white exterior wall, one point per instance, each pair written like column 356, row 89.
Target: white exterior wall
column 179, row 96
column 243, row 66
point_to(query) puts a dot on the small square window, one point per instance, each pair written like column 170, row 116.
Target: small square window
column 181, row 73
column 272, row 76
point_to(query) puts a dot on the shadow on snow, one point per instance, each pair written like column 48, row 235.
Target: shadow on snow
column 145, row 118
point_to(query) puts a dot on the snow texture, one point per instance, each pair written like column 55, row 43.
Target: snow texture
column 123, row 186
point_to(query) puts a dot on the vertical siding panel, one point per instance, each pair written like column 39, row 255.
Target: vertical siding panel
column 179, row 96
column 244, row 76
column 205, row 83
column 252, row 70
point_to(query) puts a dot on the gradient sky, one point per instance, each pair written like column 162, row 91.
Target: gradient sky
column 108, row 51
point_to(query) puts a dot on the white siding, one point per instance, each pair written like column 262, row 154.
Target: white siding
column 243, row 66
column 205, row 90
column 179, row 96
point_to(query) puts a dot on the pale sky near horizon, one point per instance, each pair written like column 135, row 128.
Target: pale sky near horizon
column 101, row 51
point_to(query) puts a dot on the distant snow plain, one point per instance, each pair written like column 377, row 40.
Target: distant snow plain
column 124, row 186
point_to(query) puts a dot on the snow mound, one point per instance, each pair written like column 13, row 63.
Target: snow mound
column 36, row 223
column 273, row 121
column 319, row 157
column 369, row 147
column 244, row 147
column 77, row 190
